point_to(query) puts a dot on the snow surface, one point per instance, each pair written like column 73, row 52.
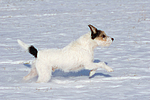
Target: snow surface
column 54, row 24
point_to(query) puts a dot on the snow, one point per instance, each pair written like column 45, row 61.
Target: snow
column 54, row 24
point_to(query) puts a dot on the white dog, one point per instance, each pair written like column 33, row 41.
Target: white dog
column 74, row 57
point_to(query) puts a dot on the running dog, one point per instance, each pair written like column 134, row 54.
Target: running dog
column 74, row 57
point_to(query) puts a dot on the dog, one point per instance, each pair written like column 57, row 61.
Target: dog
column 76, row 56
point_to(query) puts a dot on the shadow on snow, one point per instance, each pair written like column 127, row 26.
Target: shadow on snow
column 83, row 72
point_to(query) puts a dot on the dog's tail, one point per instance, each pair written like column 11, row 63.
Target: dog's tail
column 31, row 49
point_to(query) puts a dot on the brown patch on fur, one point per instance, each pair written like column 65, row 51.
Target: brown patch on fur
column 54, row 68
column 102, row 36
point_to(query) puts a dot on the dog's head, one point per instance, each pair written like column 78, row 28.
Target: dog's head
column 100, row 37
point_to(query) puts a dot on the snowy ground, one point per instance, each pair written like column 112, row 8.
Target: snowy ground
column 54, row 24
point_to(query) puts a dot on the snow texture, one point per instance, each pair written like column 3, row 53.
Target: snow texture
column 54, row 24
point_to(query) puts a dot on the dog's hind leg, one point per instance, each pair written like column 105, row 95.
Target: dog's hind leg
column 32, row 73
column 44, row 73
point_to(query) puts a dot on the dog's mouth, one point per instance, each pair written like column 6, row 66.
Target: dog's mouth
column 108, row 41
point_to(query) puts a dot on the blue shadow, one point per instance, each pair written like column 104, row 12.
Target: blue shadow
column 83, row 72
column 27, row 65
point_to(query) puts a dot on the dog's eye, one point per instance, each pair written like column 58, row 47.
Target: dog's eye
column 103, row 36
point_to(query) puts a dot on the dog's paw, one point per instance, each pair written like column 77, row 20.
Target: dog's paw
column 92, row 72
column 109, row 69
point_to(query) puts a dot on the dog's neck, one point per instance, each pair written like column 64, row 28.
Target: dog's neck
column 84, row 42
column 87, row 42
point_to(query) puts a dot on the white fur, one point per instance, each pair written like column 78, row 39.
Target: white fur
column 74, row 57
column 23, row 45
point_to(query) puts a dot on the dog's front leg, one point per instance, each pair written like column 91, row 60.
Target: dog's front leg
column 94, row 66
column 103, row 65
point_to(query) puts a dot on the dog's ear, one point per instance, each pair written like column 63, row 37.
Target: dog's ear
column 94, row 31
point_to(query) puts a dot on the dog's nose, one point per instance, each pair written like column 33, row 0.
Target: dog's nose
column 112, row 39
